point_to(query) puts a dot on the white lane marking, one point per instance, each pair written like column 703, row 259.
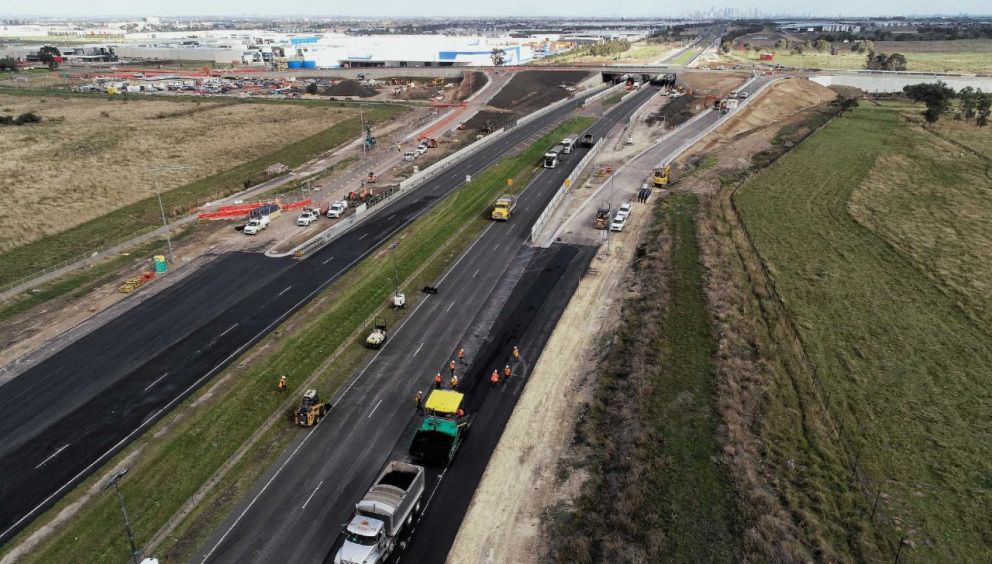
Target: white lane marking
column 229, row 329
column 374, row 408
column 159, row 379
column 363, row 236
column 54, row 454
column 528, row 207
column 496, row 247
column 391, row 217
column 476, row 273
column 328, row 260
column 286, row 289
column 511, row 228
column 449, row 306
column 312, row 494
column 418, row 349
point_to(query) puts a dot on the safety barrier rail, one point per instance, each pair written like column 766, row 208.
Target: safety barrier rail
column 563, row 190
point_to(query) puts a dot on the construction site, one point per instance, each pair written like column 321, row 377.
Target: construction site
column 493, row 313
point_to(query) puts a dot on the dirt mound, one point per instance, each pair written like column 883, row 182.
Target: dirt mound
column 713, row 84
column 529, row 91
column 676, row 112
column 499, row 119
column 349, row 88
column 783, row 99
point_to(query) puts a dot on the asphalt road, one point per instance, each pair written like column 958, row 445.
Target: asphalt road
column 295, row 511
column 65, row 416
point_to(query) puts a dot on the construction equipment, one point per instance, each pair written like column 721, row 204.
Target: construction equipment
column 503, row 208
column 377, row 337
column 602, row 216
column 389, row 507
column 371, row 178
column 588, row 140
column 399, row 301
column 311, row 409
column 441, row 432
column 662, row 176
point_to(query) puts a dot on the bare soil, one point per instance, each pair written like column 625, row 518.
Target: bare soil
column 530, row 91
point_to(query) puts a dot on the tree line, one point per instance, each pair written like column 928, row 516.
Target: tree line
column 972, row 104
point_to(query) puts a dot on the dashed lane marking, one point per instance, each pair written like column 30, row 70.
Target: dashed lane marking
column 53, row 455
column 312, row 494
column 374, row 408
column 157, row 380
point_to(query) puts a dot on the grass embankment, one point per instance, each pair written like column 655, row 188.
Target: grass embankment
column 899, row 348
column 180, row 454
column 613, row 100
column 686, row 56
column 658, row 490
column 84, row 281
column 119, row 224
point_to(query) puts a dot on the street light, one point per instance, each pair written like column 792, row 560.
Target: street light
column 396, row 274
column 161, row 209
column 127, row 523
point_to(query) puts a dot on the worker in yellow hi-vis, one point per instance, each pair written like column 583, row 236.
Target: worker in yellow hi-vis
column 282, row 386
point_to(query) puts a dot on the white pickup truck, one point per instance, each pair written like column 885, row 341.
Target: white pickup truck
column 306, row 218
column 257, row 224
column 337, row 209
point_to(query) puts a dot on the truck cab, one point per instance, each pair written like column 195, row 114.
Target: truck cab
column 568, row 144
column 365, row 541
column 552, row 157
column 503, row 208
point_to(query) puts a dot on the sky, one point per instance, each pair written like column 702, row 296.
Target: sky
column 472, row 8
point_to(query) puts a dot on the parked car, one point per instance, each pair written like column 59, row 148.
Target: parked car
column 409, row 156
column 421, row 149
column 743, row 95
column 618, row 222
column 257, row 224
column 306, row 218
column 337, row 209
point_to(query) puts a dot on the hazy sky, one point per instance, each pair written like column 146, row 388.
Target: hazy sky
column 566, row 8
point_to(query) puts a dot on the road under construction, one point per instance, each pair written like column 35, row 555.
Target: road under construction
column 121, row 378
column 500, row 293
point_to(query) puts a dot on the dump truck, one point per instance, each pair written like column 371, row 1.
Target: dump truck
column 311, row 410
column 602, row 216
column 728, row 105
column 386, row 511
column 377, row 337
column 662, row 176
column 588, row 140
column 441, row 432
column 553, row 155
column 503, row 208
column 567, row 144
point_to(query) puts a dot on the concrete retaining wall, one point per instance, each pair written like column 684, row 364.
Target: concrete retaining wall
column 894, row 82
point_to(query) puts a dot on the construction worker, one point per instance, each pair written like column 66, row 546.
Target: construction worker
column 419, row 399
column 282, row 386
column 461, row 356
column 506, row 372
column 516, row 353
column 495, row 378
column 451, row 367
column 437, row 381
column 454, row 382
column 460, row 413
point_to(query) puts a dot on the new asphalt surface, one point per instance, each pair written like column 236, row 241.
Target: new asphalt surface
column 498, row 294
column 64, row 417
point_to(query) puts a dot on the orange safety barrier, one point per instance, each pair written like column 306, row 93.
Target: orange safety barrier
column 299, row 204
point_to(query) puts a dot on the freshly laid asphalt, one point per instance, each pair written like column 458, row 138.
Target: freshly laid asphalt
column 65, row 416
column 499, row 293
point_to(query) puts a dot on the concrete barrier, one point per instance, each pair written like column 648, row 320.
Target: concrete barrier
column 569, row 182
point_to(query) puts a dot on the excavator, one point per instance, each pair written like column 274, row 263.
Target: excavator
column 662, row 176
column 311, row 409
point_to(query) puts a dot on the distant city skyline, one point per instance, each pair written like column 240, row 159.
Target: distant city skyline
column 506, row 8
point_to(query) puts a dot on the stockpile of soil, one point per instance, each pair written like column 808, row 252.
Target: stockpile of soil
column 499, row 119
column 678, row 111
column 478, row 81
column 530, row 91
column 349, row 88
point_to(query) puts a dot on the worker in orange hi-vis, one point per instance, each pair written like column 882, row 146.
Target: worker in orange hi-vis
column 506, row 372
column 437, row 381
column 495, row 378
column 461, row 356
column 460, row 413
column 451, row 367
column 516, row 353
column 454, row 382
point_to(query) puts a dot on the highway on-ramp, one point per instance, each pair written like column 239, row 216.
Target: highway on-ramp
column 497, row 290
column 68, row 414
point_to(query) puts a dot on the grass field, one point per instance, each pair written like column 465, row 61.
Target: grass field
column 114, row 220
column 91, row 156
column 166, row 474
column 639, row 52
column 900, row 348
column 967, row 56
column 658, row 490
column 686, row 56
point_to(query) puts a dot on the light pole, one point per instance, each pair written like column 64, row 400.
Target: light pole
column 165, row 223
column 127, row 523
column 396, row 272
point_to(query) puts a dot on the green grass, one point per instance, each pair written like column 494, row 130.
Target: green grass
column 905, row 365
column 173, row 466
column 686, row 56
column 80, row 283
column 615, row 99
column 921, row 56
column 657, row 489
column 122, row 223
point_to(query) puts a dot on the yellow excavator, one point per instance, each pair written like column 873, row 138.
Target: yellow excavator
column 662, row 176
column 311, row 409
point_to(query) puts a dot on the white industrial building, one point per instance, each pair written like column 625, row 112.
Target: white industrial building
column 337, row 50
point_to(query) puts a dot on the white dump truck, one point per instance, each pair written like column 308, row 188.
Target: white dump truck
column 383, row 515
